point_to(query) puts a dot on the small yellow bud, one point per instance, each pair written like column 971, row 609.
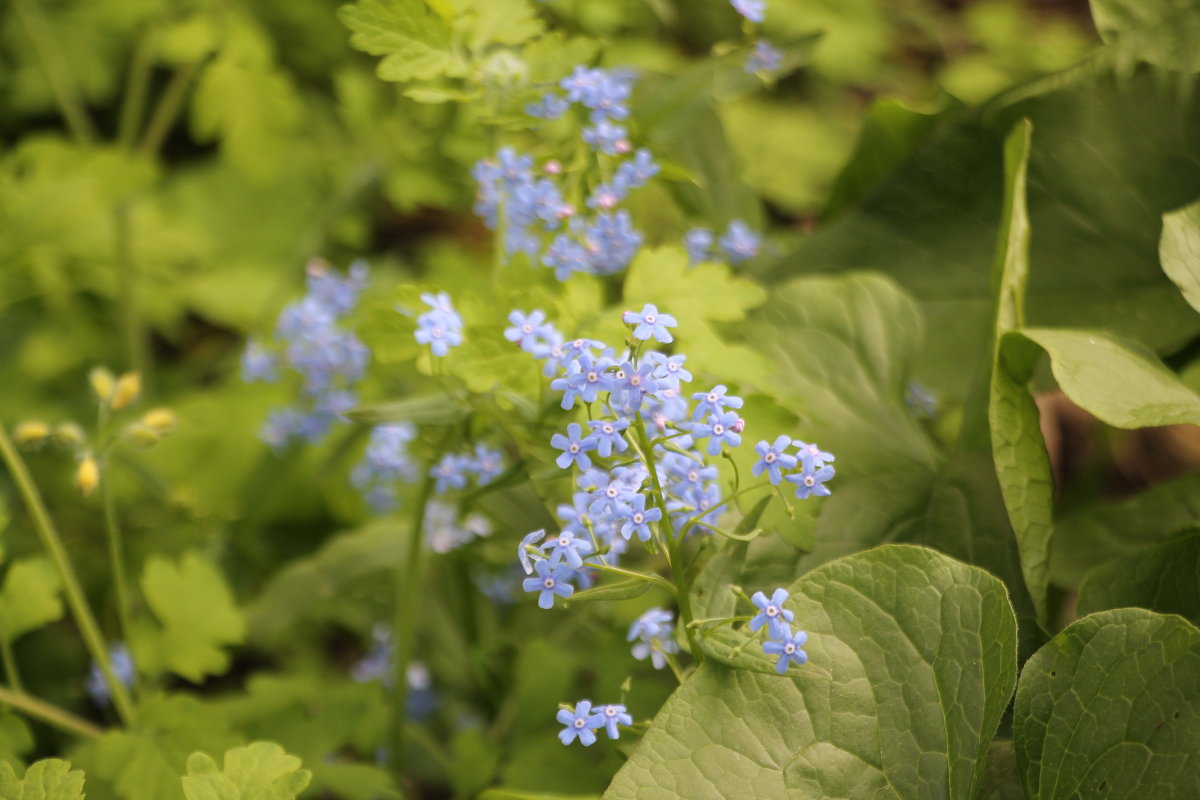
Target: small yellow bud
column 129, row 386
column 32, row 430
column 87, row 477
column 102, row 382
column 161, row 420
column 141, row 436
column 69, row 434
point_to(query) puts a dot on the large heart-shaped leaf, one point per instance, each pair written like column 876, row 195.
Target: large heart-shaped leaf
column 1165, row 578
column 912, row 660
column 1111, row 708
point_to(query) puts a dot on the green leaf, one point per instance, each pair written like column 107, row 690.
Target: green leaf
column 1123, row 387
column 510, row 794
column 198, row 615
column 434, row 409
column 415, row 44
column 1002, row 781
column 1163, row 32
column 476, row 759
column 30, row 597
column 244, row 100
column 147, row 759
column 1179, row 251
column 1111, row 708
column 933, row 223
column 1018, row 451
column 1104, row 531
column 485, row 22
column 257, row 771
column 48, row 779
column 912, row 660
column 620, row 590
column 1165, row 578
column 16, row 739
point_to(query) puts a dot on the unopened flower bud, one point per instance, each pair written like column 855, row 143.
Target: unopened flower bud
column 69, row 434
column 102, row 382
column 553, row 167
column 141, row 436
column 32, row 430
column 87, row 477
column 739, row 426
column 161, row 420
column 128, row 387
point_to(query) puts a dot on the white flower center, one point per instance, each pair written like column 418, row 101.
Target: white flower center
column 574, row 447
column 769, row 457
column 620, row 374
column 718, row 429
column 672, row 367
column 713, row 397
column 608, row 429
column 611, row 491
column 650, row 318
column 564, row 541
column 809, row 480
column 593, row 376
column 693, row 476
column 789, row 648
column 638, row 518
column 579, row 723
column 527, row 328
column 548, row 583
column 436, row 333
column 635, row 380
column 610, row 712
column 772, row 611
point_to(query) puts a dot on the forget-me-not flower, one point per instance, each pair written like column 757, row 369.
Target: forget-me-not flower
column 579, row 724
column 607, row 433
column 637, row 518
column 570, row 547
column 550, row 580
column 720, row 430
column 650, row 323
column 753, row 10
column 788, row 650
column 574, row 447
column 772, row 613
column 773, row 459
column 611, row 716
column 811, row 478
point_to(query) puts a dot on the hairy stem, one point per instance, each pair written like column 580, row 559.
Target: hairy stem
column 80, row 609
column 48, row 53
column 48, row 713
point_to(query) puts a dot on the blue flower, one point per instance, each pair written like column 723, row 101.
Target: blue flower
column 386, row 461
column 610, row 242
column 528, row 330
column 450, row 472
column 606, row 137
column 739, row 242
column 753, row 10
column 607, row 433
column 788, row 650
column 720, row 429
column 121, row 662
column 258, row 363
column 637, row 518
column 610, row 717
column 550, row 580
column 570, row 547
column 772, row 613
column 811, row 478
column 630, row 383
column 551, row 106
column 655, row 637
column 487, row 464
column 714, row 401
column 585, row 379
column 637, row 172
column 820, row 457
column 580, row 724
column 441, row 326
column 650, row 323
column 528, row 547
column 339, row 295
column 574, row 447
column 773, row 459
column 669, row 369
column 921, row 401
column 699, row 243
column 765, row 58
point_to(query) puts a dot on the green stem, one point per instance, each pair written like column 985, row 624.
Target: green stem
column 641, row 576
column 58, row 554
column 10, row 662
column 691, row 521
column 408, row 597
column 135, row 351
column 50, row 714
column 116, row 552
column 133, row 107
column 167, row 109
column 674, row 551
column 46, row 48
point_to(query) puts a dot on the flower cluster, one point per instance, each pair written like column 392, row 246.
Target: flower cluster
column 774, row 459
column 440, row 327
column 736, row 245
column 444, row 531
column 385, row 462
column 530, row 207
column 654, row 636
column 454, row 470
column 582, row 721
column 780, row 639
column 643, row 391
column 765, row 58
column 311, row 341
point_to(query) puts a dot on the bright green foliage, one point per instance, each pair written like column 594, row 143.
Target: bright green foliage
column 16, row 738
column 198, row 616
column 912, row 660
column 48, row 779
column 1179, row 251
column 1163, row 32
column 508, row 794
column 258, row 771
column 414, row 41
column 1111, row 708
column 30, row 597
column 1165, row 578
